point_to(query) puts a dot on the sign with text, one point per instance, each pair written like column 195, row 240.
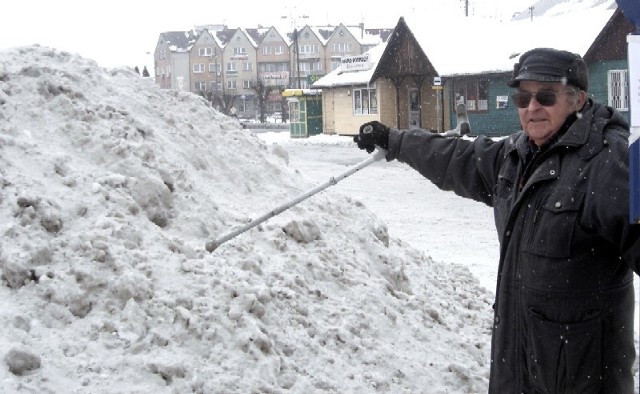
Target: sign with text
column 356, row 63
column 274, row 78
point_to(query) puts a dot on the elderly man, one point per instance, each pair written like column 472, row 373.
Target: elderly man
column 564, row 306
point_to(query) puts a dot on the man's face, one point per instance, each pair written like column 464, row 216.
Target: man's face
column 539, row 121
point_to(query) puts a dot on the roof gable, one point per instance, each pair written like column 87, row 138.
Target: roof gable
column 206, row 38
column 309, row 33
column 357, row 33
column 403, row 56
column 611, row 42
column 339, row 33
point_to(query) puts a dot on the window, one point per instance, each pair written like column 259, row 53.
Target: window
column 198, row 68
column 307, row 67
column 474, row 93
column 267, row 67
column 214, row 67
column 231, row 66
column 201, row 86
column 502, row 102
column 246, row 84
column 308, row 48
column 294, row 111
column 163, row 54
column 231, row 84
column 239, row 51
column 342, row 47
column 483, row 95
column 267, row 50
column 618, row 89
column 246, row 66
column 205, row 51
column 243, row 104
column 279, row 49
column 364, row 101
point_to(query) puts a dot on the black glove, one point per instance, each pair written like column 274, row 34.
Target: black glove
column 372, row 134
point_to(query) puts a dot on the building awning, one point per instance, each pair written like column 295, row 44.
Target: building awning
column 301, row 92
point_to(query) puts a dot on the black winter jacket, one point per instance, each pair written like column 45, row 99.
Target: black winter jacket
column 564, row 303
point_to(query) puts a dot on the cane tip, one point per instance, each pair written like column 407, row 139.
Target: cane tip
column 210, row 246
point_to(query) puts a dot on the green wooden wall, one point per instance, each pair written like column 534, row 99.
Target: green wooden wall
column 598, row 80
column 503, row 121
column 496, row 121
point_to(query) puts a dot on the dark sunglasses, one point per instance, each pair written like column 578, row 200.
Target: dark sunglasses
column 546, row 98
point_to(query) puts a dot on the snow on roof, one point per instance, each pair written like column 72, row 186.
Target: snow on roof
column 363, row 37
column 551, row 7
column 179, row 41
column 475, row 45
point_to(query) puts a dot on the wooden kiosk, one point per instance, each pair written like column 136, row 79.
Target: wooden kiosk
column 305, row 112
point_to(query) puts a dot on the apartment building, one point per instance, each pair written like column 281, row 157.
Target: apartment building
column 274, row 65
column 171, row 59
column 205, row 60
column 226, row 66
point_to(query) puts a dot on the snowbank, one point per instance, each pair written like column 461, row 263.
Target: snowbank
column 110, row 188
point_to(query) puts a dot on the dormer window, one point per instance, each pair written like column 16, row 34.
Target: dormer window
column 205, row 51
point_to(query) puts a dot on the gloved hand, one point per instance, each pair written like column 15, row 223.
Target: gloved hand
column 372, row 134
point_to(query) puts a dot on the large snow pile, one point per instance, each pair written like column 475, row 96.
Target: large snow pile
column 110, row 188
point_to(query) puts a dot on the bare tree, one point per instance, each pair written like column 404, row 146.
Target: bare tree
column 219, row 100
column 262, row 94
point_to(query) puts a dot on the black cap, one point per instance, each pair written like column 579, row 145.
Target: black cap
column 551, row 65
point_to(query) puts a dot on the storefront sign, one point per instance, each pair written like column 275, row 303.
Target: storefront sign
column 355, row 63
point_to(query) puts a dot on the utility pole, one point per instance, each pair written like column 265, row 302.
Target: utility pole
column 294, row 16
column 296, row 54
column 531, row 12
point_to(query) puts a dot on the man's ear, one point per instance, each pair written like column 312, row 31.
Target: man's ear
column 582, row 99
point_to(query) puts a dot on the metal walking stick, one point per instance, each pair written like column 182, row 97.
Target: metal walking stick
column 212, row 245
column 462, row 128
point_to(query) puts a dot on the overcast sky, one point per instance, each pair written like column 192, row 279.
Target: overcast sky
column 124, row 33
